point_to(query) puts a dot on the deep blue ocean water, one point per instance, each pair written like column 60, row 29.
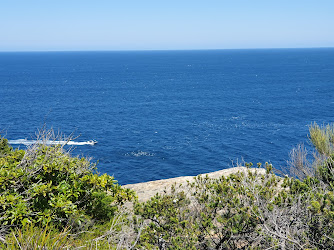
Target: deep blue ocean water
column 162, row 114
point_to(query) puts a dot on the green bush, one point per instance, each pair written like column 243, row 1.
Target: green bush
column 244, row 210
column 5, row 148
column 45, row 184
column 322, row 137
column 170, row 224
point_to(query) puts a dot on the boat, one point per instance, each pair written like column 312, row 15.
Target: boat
column 92, row 142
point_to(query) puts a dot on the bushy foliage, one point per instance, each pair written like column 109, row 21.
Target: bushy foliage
column 244, row 210
column 322, row 137
column 169, row 222
column 5, row 148
column 45, row 184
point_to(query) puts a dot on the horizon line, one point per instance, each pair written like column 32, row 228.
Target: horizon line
column 143, row 50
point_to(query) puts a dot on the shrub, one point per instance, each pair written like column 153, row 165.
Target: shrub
column 169, row 222
column 5, row 148
column 322, row 137
column 46, row 184
column 249, row 210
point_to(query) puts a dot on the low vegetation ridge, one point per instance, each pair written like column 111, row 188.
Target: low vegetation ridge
column 146, row 190
column 52, row 200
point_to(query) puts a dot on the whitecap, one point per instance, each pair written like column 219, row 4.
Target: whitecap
column 140, row 153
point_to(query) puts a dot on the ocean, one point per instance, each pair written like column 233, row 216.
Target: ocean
column 163, row 114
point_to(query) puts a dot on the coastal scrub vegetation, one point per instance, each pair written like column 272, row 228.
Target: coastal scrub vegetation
column 45, row 187
column 52, row 200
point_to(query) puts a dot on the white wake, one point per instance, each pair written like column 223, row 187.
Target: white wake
column 50, row 142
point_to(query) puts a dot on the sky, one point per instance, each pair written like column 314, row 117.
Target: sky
column 75, row 25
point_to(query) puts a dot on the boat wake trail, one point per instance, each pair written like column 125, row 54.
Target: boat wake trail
column 49, row 142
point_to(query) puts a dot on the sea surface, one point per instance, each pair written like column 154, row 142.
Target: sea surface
column 163, row 114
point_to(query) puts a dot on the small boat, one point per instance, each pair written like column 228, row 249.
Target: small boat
column 92, row 142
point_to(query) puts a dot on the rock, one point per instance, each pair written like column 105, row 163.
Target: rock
column 146, row 190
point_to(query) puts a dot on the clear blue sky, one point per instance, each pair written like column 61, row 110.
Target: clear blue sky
column 30, row 25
